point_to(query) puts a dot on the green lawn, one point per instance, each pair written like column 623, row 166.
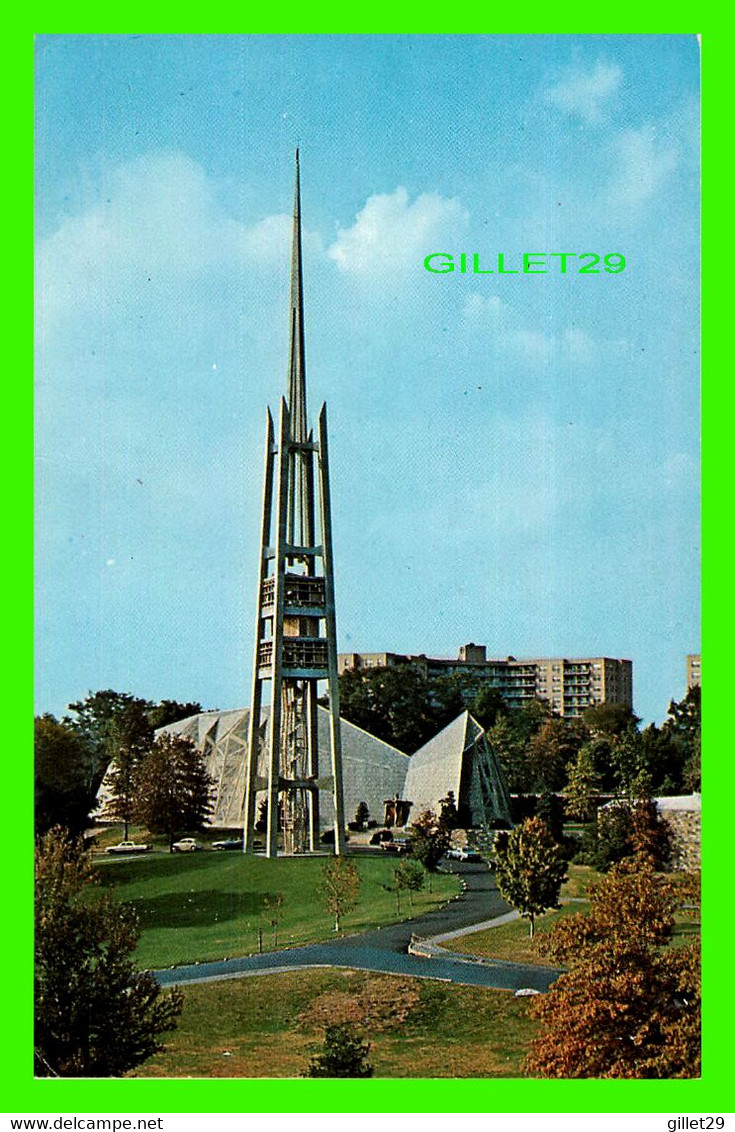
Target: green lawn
column 267, row 1026
column 512, row 941
column 210, row 905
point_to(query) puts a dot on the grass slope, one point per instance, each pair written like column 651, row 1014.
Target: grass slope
column 253, row 1027
column 512, row 941
column 211, row 905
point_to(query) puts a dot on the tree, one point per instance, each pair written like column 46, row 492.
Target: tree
column 170, row 711
column 409, row 875
column 583, row 785
column 609, row 719
column 344, row 1054
column 121, row 785
column 392, row 703
column 362, row 813
column 173, row 790
column 339, row 887
column 448, row 813
column 548, row 754
column 530, row 869
column 96, row 1014
column 273, row 905
column 489, row 706
column 65, row 776
column 683, row 728
column 111, row 720
column 627, row 1008
column 429, row 840
column 628, row 826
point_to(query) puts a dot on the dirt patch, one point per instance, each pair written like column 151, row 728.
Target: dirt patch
column 382, row 1004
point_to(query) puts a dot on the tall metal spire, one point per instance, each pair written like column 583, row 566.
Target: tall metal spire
column 295, row 627
column 297, row 352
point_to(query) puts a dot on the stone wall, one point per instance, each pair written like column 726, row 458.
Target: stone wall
column 685, row 826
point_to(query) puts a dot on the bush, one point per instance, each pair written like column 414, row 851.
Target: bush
column 344, row 1054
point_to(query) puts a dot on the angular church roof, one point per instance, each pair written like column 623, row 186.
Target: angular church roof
column 372, row 769
column 458, row 759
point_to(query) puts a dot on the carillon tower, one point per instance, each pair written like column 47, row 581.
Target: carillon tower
column 295, row 625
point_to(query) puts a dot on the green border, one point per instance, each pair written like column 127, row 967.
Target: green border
column 22, row 1093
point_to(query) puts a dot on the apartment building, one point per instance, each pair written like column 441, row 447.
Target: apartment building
column 694, row 670
column 569, row 685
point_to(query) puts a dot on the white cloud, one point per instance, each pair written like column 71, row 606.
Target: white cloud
column 158, row 222
column 642, row 164
column 390, row 232
column 584, row 93
column 537, row 346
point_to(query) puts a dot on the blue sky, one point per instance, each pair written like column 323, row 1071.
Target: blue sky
column 514, row 459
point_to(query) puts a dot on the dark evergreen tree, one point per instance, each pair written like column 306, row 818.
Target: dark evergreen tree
column 344, row 1054
column 96, row 1013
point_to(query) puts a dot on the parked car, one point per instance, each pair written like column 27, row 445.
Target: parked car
column 397, row 845
column 127, row 847
column 463, row 854
column 186, row 845
column 228, row 843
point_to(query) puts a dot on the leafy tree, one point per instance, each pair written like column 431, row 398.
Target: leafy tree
column 548, row 754
column 121, row 784
column 409, row 875
column 448, row 697
column 429, row 840
column 392, row 703
column 173, row 789
column 339, row 887
column 110, row 721
column 170, row 711
column 529, row 869
column 583, row 785
column 626, row 1008
column 627, row 759
column 609, row 719
column 488, row 706
column 683, row 728
column 344, row 1054
column 628, row 826
column 65, row 776
column 96, row 1014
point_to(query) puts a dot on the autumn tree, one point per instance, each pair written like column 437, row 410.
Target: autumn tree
column 529, row 869
column 344, row 1054
column 96, row 1014
column 339, row 888
column 627, row 1008
column 173, row 790
column 429, row 840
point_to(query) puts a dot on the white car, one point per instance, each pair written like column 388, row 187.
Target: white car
column 186, row 845
column 463, row 854
column 127, row 847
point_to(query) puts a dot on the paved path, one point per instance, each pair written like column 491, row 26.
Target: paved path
column 386, row 949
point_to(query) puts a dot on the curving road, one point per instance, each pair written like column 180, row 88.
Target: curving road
column 386, row 949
